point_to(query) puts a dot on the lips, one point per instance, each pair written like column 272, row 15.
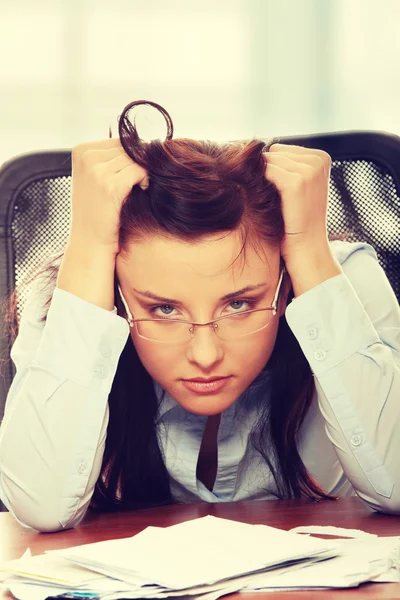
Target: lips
column 203, row 385
column 205, row 380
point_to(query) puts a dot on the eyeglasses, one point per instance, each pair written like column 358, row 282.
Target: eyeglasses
column 228, row 327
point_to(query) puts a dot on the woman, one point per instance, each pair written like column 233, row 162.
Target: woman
column 201, row 340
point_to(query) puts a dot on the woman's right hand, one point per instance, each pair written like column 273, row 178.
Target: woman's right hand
column 102, row 177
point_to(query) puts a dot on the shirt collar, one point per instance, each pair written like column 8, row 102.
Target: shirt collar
column 165, row 404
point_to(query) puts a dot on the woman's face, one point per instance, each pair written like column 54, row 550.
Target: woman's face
column 199, row 275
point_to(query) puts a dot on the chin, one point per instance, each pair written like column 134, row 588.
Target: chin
column 206, row 405
column 204, row 410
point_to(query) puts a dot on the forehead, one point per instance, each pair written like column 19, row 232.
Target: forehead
column 161, row 261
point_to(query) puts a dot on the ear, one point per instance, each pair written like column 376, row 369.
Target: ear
column 283, row 297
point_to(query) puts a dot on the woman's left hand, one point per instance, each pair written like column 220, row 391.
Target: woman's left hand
column 302, row 178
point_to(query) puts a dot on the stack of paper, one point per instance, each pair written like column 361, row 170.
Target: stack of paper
column 205, row 558
column 197, row 552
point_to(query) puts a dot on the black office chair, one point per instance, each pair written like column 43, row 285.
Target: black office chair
column 35, row 191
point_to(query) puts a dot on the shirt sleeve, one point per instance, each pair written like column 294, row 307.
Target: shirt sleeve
column 349, row 330
column 53, row 433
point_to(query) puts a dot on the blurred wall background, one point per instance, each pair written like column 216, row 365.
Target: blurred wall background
column 224, row 69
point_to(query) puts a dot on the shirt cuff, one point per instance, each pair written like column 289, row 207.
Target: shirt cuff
column 81, row 342
column 330, row 323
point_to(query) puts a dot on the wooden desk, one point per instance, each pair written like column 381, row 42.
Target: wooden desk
column 345, row 512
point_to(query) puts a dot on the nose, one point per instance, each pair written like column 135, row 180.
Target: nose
column 205, row 348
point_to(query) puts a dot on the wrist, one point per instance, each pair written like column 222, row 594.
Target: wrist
column 310, row 267
column 82, row 246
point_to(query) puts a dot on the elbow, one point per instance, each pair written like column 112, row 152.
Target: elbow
column 44, row 513
column 387, row 508
column 44, row 519
column 41, row 522
column 389, row 505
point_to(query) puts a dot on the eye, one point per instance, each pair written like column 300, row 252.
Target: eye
column 241, row 305
column 165, row 309
column 237, row 304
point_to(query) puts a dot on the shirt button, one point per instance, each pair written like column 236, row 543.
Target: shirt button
column 100, row 371
column 320, row 354
column 312, row 333
column 105, row 351
column 355, row 440
column 81, row 467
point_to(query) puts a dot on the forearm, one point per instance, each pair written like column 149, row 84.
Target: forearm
column 88, row 272
column 310, row 267
column 351, row 343
column 51, row 456
column 363, row 424
column 53, row 433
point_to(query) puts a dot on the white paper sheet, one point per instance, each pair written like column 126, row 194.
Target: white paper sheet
column 204, row 550
column 50, row 568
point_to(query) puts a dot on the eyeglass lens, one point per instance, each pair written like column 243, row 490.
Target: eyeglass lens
column 230, row 328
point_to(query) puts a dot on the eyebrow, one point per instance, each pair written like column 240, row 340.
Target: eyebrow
column 230, row 296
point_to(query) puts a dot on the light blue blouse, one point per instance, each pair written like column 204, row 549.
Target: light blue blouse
column 53, row 433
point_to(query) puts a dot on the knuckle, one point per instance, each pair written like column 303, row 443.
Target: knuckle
column 78, row 149
column 81, row 148
column 81, row 156
column 326, row 157
column 77, row 152
column 323, row 159
column 86, row 158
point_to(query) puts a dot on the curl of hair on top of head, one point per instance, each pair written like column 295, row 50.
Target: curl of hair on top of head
column 199, row 188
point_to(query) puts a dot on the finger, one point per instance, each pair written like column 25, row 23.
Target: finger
column 293, row 166
column 132, row 175
column 294, row 155
column 101, row 156
column 306, row 164
column 99, row 145
column 118, row 162
column 276, row 174
column 93, row 156
column 297, row 162
column 284, row 179
column 298, row 150
column 105, row 155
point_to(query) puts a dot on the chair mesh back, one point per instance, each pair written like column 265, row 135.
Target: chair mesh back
column 40, row 227
column 363, row 201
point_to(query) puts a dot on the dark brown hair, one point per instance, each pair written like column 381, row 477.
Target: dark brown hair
column 198, row 188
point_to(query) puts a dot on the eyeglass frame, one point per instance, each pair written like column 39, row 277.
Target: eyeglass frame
column 274, row 307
